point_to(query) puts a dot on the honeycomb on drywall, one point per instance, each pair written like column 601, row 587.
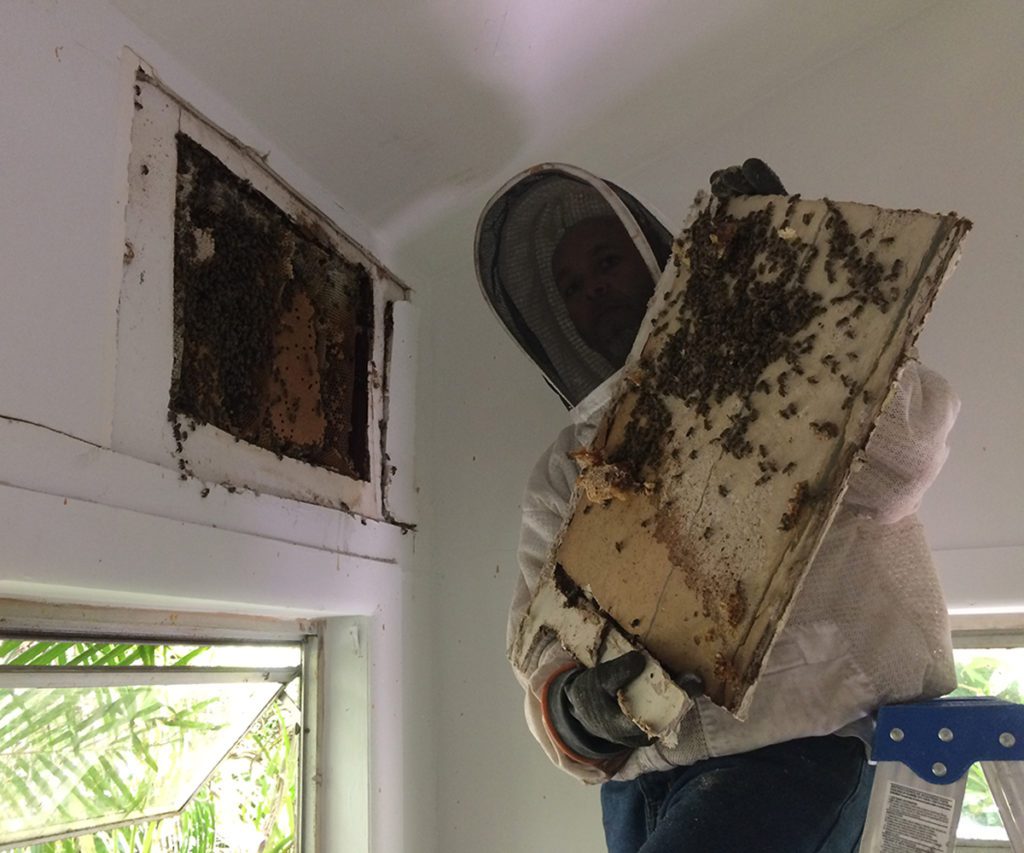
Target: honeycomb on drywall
column 272, row 326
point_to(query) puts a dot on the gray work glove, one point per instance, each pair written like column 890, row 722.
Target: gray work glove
column 584, row 710
column 754, row 177
column 592, row 696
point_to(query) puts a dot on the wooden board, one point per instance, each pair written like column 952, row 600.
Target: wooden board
column 770, row 346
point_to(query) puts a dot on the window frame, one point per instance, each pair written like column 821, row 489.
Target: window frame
column 980, row 631
column 83, row 622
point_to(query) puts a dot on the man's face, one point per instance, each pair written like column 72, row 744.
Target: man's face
column 605, row 284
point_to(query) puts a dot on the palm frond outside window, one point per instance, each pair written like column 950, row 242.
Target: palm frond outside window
column 108, row 738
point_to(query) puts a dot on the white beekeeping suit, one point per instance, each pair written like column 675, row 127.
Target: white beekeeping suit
column 869, row 625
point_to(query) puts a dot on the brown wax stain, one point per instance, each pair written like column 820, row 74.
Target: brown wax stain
column 296, row 414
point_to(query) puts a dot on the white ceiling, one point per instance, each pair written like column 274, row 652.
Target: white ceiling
column 401, row 108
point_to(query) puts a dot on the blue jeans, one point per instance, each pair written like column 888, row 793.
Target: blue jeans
column 804, row 796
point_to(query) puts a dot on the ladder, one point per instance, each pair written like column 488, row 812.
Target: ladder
column 923, row 752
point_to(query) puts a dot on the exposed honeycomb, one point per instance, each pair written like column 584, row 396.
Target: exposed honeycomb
column 273, row 327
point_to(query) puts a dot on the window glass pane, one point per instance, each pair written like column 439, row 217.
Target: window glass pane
column 986, row 672
column 72, row 758
column 34, row 652
column 255, row 789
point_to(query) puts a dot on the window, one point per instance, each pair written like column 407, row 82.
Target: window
column 987, row 664
column 115, row 744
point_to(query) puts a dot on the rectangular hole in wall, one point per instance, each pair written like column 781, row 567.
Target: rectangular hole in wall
column 272, row 326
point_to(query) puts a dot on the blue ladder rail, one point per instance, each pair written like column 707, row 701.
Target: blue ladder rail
column 940, row 739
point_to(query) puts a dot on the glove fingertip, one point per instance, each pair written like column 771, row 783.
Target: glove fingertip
column 762, row 177
column 637, row 660
column 691, row 684
column 729, row 182
column 622, row 670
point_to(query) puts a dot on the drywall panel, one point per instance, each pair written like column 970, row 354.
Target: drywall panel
column 982, row 580
column 928, row 114
column 59, row 224
column 64, row 172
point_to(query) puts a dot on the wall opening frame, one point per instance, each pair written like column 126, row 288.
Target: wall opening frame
column 304, row 412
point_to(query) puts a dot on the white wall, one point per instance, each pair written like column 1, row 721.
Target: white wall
column 82, row 523
column 929, row 114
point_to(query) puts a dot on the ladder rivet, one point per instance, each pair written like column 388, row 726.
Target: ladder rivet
column 1006, row 739
column 896, row 735
column 939, row 769
column 945, row 735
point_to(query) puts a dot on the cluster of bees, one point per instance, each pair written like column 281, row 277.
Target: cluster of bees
column 229, row 299
column 746, row 307
column 869, row 280
column 743, row 309
column 649, row 430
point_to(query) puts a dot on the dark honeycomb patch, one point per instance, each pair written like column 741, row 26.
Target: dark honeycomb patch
column 273, row 327
column 744, row 308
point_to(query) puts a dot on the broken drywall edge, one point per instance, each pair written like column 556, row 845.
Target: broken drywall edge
column 653, row 700
column 580, row 628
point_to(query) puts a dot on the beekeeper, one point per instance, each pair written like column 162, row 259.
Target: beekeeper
column 568, row 262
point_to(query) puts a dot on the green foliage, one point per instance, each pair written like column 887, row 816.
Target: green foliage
column 253, row 791
column 988, row 675
column 64, row 653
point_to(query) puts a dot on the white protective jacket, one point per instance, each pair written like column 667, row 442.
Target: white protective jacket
column 868, row 627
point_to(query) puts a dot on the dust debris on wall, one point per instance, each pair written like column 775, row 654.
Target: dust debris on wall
column 272, row 326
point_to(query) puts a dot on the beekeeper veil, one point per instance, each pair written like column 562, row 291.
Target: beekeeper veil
column 516, row 236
